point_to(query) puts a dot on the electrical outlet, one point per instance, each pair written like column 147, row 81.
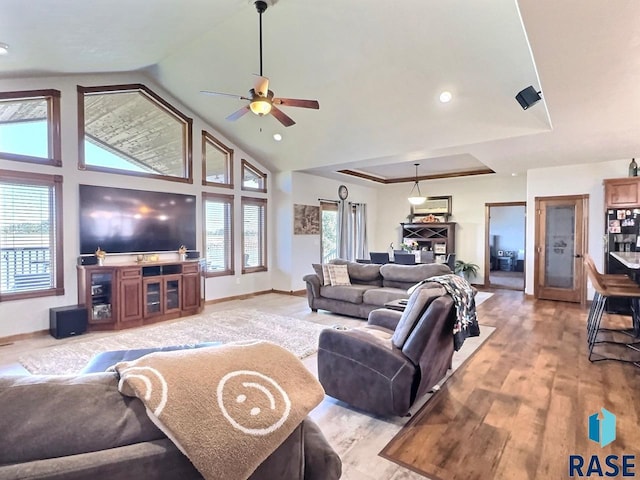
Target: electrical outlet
column 237, row 280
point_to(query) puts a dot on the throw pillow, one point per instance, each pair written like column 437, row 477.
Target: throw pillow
column 325, row 274
column 339, row 275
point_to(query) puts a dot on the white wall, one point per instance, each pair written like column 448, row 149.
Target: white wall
column 296, row 253
column 23, row 316
column 572, row 180
column 508, row 225
column 469, row 196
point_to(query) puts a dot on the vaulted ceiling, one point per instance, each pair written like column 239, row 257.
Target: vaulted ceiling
column 377, row 69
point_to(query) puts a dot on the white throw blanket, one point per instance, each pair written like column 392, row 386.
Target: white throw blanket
column 226, row 407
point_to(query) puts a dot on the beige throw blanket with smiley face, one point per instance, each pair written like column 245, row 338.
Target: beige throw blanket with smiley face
column 227, row 407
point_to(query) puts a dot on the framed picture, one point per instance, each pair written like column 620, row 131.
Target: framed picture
column 306, row 220
column 433, row 206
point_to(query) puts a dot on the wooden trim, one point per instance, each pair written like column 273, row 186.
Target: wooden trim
column 208, row 138
column 487, row 251
column 237, row 297
column 245, row 164
column 22, row 336
column 293, row 293
column 54, row 143
column 263, row 203
column 54, row 181
column 229, row 199
column 187, row 131
column 387, row 181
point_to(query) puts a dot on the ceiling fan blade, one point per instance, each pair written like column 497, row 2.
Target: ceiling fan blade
column 295, row 102
column 261, row 87
column 237, row 114
column 282, row 117
column 218, row 94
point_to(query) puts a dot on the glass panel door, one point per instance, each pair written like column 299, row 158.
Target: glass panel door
column 560, row 246
column 172, row 294
column 560, row 241
column 152, row 297
column 102, row 296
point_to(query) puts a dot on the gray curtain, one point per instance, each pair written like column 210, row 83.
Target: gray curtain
column 361, row 247
column 345, row 247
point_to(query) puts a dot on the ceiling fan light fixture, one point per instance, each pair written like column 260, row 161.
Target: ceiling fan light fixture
column 418, row 199
column 260, row 106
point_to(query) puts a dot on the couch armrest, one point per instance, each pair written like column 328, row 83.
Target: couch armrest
column 313, row 284
column 384, row 317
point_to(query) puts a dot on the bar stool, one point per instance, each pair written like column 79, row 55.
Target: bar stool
column 603, row 292
column 608, row 281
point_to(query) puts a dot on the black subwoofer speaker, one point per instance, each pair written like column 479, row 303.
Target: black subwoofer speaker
column 527, row 97
column 67, row 321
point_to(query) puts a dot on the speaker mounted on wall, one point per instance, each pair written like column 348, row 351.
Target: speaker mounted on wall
column 528, row 97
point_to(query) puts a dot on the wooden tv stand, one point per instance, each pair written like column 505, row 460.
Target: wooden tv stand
column 131, row 295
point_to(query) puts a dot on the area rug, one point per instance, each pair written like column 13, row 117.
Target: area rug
column 297, row 336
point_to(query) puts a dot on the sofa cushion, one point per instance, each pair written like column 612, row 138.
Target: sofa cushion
column 101, row 362
column 416, row 306
column 362, row 273
column 339, row 275
column 55, row 416
column 405, row 276
column 382, row 295
column 350, row 293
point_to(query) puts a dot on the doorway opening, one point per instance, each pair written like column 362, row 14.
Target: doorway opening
column 505, row 245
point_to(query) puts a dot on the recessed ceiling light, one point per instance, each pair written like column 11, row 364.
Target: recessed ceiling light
column 445, row 97
column 4, row 48
column 277, row 137
column 514, row 174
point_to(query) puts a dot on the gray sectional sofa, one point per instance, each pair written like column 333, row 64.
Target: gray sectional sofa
column 372, row 286
column 77, row 427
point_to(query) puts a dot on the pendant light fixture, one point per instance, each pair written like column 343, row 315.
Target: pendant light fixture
column 416, row 199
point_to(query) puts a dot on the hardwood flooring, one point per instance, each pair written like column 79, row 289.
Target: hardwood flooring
column 520, row 405
column 515, row 410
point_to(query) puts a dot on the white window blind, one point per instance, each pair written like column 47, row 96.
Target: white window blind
column 218, row 233
column 254, row 234
column 27, row 236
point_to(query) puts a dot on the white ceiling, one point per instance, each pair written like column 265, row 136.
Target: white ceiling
column 376, row 68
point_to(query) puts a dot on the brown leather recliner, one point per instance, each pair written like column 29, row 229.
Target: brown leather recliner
column 383, row 367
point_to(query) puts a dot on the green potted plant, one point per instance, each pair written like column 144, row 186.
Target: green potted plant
column 468, row 270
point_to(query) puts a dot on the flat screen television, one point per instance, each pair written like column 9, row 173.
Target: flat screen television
column 120, row 220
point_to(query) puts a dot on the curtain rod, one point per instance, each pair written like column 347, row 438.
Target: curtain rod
column 337, row 201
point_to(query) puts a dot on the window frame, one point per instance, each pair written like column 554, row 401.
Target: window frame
column 246, row 165
column 187, row 131
column 261, row 202
column 230, row 200
column 217, row 144
column 330, row 206
column 54, row 181
column 53, row 126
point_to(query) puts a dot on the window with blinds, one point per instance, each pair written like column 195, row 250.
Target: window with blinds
column 30, row 126
column 254, row 235
column 218, row 234
column 253, row 179
column 30, row 235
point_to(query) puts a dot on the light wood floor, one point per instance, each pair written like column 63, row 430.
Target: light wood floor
column 519, row 407
column 515, row 410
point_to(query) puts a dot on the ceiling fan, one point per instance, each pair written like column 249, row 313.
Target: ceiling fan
column 261, row 99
